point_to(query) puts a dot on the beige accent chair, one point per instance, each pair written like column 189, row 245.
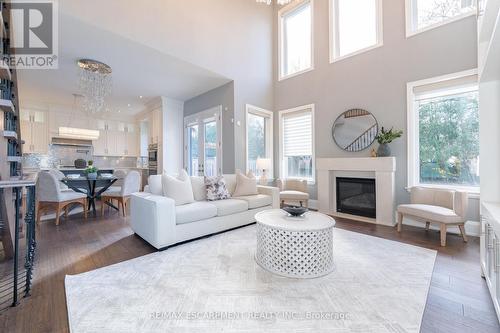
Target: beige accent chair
column 50, row 196
column 293, row 192
column 446, row 207
column 131, row 184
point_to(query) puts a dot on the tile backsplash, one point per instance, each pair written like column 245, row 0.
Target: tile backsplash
column 66, row 155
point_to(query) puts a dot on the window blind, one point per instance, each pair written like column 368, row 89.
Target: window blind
column 297, row 133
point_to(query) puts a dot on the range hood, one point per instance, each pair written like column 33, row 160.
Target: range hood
column 71, row 142
column 78, row 133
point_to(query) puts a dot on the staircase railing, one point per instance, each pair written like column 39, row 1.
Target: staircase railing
column 16, row 281
column 362, row 141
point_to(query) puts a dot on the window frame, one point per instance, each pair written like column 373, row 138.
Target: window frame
column 281, row 114
column 413, row 159
column 412, row 30
column 333, row 35
column 269, row 137
column 281, row 61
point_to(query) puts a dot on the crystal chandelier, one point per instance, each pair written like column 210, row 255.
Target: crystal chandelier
column 95, row 84
column 279, row 2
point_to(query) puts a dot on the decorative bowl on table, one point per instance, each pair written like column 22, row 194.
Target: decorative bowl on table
column 295, row 210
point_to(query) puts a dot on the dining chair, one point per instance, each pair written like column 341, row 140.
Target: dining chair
column 131, row 184
column 50, row 196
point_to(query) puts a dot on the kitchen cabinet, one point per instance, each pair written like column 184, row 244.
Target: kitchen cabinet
column 107, row 143
column 490, row 250
column 128, row 138
column 116, row 139
column 155, row 127
column 34, row 131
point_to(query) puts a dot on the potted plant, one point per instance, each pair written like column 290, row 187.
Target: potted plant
column 384, row 138
column 91, row 170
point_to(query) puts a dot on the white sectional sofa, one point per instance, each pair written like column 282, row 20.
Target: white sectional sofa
column 157, row 219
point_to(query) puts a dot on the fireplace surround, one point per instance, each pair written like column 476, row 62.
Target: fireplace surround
column 382, row 169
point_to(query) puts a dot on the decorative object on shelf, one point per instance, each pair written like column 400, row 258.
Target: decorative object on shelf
column 373, row 153
column 263, row 164
column 384, row 138
column 355, row 130
column 91, row 170
column 295, row 210
column 279, row 2
column 95, row 84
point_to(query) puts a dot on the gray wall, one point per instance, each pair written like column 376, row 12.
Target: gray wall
column 375, row 80
column 224, row 96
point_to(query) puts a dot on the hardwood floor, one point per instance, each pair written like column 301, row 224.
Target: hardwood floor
column 458, row 299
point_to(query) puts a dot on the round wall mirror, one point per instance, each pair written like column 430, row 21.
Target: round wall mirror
column 355, row 130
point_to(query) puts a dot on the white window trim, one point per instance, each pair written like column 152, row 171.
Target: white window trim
column 280, row 162
column 283, row 11
column 413, row 137
column 252, row 109
column 410, row 31
column 333, row 38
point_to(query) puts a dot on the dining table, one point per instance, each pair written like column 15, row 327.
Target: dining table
column 92, row 188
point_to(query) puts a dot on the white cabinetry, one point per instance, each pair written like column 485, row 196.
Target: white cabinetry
column 155, row 126
column 489, row 123
column 34, row 131
column 490, row 250
column 116, row 139
column 106, row 145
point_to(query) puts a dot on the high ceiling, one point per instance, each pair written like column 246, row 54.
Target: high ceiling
column 138, row 70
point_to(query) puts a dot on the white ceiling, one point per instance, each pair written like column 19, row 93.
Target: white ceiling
column 138, row 70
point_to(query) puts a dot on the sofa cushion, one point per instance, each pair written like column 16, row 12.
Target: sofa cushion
column 431, row 213
column 256, row 201
column 154, row 185
column 199, row 188
column 230, row 206
column 245, row 185
column 178, row 188
column 294, row 195
column 196, row 211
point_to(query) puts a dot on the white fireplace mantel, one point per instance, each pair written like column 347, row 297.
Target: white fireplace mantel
column 383, row 170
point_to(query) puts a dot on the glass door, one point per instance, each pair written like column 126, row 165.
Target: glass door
column 203, row 143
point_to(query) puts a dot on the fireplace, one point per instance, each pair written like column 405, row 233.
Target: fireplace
column 356, row 196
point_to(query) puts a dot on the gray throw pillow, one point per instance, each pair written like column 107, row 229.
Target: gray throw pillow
column 216, row 188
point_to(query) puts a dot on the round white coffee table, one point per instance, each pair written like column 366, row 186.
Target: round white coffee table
column 298, row 247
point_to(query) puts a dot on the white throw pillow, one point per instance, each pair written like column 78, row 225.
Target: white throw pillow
column 155, row 185
column 199, row 188
column 178, row 188
column 245, row 185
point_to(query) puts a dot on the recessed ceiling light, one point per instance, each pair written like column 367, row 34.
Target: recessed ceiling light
column 140, row 97
column 128, row 105
column 119, row 111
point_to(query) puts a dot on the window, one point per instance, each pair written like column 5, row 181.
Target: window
column 295, row 38
column 297, row 143
column 355, row 27
column 422, row 15
column 259, row 124
column 443, row 129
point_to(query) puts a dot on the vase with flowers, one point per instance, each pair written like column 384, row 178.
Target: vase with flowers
column 384, row 138
column 91, row 170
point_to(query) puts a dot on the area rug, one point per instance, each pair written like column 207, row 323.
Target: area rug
column 214, row 285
